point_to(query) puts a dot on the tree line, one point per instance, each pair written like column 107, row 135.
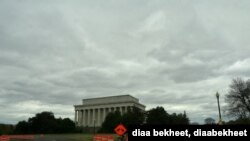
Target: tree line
column 45, row 123
column 156, row 115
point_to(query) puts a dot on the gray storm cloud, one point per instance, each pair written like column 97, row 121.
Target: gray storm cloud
column 175, row 54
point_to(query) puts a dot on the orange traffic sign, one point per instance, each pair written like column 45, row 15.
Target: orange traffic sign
column 120, row 130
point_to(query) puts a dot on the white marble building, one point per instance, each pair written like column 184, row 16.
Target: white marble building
column 93, row 111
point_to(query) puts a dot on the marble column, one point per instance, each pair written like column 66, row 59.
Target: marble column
column 98, row 117
column 104, row 114
column 93, row 119
column 75, row 116
column 83, row 117
column 88, row 122
column 80, row 117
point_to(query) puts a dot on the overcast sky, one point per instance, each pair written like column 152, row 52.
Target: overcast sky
column 170, row 53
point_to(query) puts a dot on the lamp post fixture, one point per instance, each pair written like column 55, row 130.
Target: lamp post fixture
column 218, row 100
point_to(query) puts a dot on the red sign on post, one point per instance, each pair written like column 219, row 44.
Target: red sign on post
column 120, row 130
column 103, row 138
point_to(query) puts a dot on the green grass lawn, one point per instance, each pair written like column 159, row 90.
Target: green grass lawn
column 76, row 137
column 81, row 137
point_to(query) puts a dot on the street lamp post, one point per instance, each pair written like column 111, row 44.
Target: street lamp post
column 218, row 100
column 94, row 126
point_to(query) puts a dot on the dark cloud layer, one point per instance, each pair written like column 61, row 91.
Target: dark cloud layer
column 169, row 53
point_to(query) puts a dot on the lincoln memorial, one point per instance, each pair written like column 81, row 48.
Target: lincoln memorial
column 92, row 112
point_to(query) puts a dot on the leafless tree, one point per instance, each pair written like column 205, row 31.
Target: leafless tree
column 238, row 98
